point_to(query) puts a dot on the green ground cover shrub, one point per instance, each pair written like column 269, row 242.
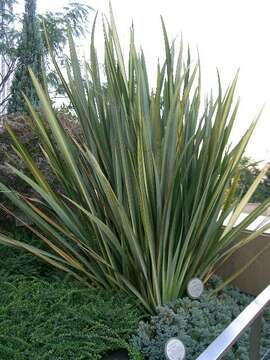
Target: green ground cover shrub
column 14, row 262
column 44, row 315
column 197, row 323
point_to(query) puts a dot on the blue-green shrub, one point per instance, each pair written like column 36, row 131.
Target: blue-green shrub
column 197, row 323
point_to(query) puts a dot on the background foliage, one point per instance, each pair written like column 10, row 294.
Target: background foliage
column 8, row 38
column 29, row 54
column 16, row 54
column 249, row 169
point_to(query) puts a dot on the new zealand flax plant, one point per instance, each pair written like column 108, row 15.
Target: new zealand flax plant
column 148, row 185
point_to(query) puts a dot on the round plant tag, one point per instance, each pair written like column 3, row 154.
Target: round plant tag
column 195, row 288
column 175, row 349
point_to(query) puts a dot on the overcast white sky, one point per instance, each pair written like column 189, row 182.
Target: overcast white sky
column 229, row 34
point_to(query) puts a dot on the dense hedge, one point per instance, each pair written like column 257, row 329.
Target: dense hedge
column 197, row 323
column 44, row 315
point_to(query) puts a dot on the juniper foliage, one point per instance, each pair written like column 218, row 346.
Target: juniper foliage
column 197, row 323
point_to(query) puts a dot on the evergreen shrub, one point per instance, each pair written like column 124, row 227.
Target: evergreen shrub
column 197, row 323
column 44, row 315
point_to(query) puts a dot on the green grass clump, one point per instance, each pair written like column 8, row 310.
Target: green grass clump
column 152, row 174
column 44, row 315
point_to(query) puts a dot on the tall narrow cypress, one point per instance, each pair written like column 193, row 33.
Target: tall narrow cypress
column 30, row 54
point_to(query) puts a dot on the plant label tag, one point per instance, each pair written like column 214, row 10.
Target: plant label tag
column 195, row 288
column 175, row 349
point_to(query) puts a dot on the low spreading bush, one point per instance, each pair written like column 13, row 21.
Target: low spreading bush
column 21, row 126
column 8, row 155
column 15, row 262
column 197, row 323
column 46, row 316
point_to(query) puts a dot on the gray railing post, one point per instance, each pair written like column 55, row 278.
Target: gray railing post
column 255, row 336
column 251, row 316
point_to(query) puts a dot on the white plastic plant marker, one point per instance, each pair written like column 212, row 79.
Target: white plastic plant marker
column 175, row 349
column 195, row 288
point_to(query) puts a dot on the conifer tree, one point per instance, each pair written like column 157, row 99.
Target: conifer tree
column 29, row 55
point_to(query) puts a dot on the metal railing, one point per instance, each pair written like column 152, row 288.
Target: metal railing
column 250, row 316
